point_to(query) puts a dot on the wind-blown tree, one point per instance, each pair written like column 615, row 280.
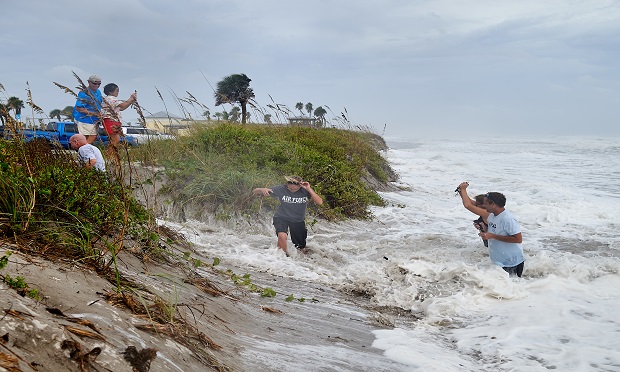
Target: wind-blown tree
column 55, row 113
column 309, row 108
column 225, row 115
column 320, row 113
column 218, row 115
column 300, row 106
column 67, row 112
column 207, row 115
column 235, row 89
column 15, row 104
column 267, row 118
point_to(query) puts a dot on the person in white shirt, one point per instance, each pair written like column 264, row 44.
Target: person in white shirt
column 503, row 231
column 88, row 154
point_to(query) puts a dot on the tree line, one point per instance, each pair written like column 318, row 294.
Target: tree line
column 233, row 89
column 12, row 104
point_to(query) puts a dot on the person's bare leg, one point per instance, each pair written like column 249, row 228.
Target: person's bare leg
column 282, row 237
column 115, row 140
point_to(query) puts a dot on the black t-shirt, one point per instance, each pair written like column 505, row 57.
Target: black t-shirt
column 292, row 204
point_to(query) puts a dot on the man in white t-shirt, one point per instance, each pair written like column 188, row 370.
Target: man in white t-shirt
column 503, row 234
column 89, row 154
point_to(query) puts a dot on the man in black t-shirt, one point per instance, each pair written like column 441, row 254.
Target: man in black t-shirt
column 291, row 212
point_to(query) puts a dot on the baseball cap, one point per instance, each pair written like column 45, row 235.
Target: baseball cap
column 94, row 78
column 295, row 179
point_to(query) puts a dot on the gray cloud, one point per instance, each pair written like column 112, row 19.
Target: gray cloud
column 423, row 68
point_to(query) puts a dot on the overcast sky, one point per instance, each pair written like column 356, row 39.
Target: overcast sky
column 419, row 68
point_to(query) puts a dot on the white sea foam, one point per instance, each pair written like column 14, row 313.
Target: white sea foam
column 421, row 253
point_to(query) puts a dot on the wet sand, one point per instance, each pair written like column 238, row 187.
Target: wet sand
column 253, row 333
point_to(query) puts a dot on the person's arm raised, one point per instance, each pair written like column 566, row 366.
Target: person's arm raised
column 315, row 197
column 133, row 98
column 468, row 204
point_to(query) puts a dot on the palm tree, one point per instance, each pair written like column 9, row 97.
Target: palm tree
column 267, row 118
column 235, row 89
column 55, row 113
column 218, row 115
column 207, row 115
column 16, row 104
column 320, row 113
column 309, row 108
column 300, row 106
column 234, row 114
column 67, row 112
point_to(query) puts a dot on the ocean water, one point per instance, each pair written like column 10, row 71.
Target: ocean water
column 421, row 256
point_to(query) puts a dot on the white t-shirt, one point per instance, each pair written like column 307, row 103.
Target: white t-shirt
column 87, row 152
column 501, row 253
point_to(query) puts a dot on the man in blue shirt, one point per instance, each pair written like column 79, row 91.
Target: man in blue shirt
column 87, row 110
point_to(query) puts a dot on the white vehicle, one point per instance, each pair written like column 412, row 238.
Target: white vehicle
column 143, row 135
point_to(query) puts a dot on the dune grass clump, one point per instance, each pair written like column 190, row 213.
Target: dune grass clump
column 48, row 200
column 217, row 167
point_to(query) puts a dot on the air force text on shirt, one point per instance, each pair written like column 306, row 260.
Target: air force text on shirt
column 288, row 199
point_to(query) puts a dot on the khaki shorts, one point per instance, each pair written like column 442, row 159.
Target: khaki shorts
column 87, row 129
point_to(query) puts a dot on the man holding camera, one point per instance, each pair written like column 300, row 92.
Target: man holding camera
column 503, row 232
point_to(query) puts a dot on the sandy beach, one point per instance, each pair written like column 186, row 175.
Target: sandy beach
column 78, row 326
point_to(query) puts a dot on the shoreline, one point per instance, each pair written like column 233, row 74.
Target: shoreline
column 247, row 331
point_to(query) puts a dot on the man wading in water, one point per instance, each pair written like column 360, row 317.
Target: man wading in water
column 291, row 212
column 504, row 231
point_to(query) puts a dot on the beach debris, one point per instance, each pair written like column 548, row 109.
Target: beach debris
column 84, row 360
column 336, row 339
column 84, row 333
column 140, row 360
column 79, row 321
column 17, row 314
column 209, row 342
column 271, row 310
column 206, row 286
column 9, row 363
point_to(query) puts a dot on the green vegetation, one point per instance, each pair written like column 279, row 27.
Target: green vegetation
column 217, row 167
column 51, row 201
column 18, row 283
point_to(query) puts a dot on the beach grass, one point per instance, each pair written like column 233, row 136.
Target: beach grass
column 217, row 166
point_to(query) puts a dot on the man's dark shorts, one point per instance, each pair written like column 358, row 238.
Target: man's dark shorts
column 515, row 270
column 299, row 233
